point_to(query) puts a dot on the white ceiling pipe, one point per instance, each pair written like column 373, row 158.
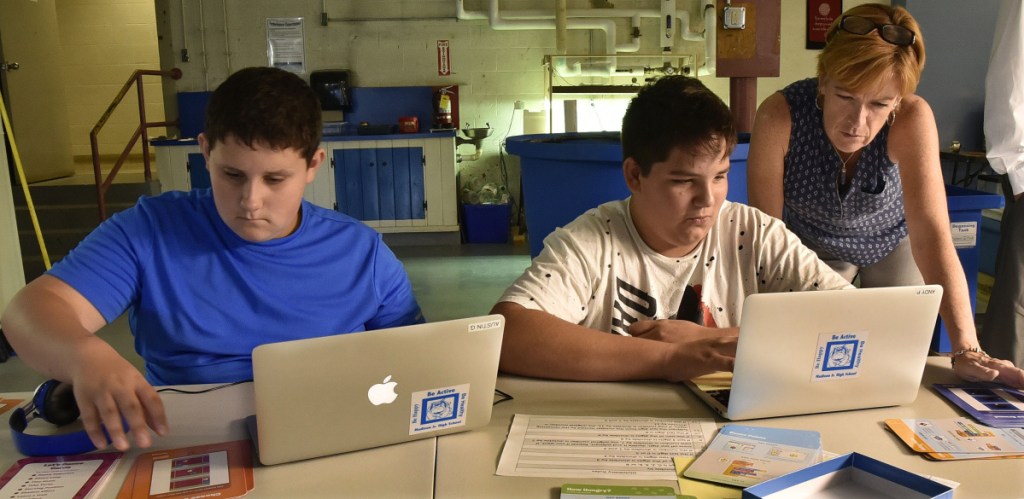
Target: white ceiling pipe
column 539, row 14
column 710, row 39
column 683, row 19
column 498, row 22
column 579, row 19
column 462, row 15
column 561, row 23
column 633, row 45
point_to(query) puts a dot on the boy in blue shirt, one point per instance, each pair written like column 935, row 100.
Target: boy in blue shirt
column 208, row 275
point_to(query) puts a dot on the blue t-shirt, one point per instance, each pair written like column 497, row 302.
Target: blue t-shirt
column 200, row 298
column 861, row 224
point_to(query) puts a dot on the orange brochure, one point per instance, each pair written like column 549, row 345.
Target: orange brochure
column 8, row 404
column 218, row 470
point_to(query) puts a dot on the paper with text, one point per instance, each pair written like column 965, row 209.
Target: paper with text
column 625, row 448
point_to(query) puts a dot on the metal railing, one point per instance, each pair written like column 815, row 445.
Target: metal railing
column 102, row 184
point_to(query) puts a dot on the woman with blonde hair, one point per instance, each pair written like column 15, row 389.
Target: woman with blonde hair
column 850, row 161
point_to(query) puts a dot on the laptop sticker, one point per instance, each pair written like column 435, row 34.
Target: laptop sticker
column 838, row 355
column 439, row 409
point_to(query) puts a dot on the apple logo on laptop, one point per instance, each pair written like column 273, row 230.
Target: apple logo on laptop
column 383, row 392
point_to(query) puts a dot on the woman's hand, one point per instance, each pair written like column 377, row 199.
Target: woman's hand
column 977, row 366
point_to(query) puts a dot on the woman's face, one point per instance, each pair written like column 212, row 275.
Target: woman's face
column 852, row 119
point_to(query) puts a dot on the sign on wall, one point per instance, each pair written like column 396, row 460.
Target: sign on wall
column 444, row 58
column 820, row 15
column 285, row 48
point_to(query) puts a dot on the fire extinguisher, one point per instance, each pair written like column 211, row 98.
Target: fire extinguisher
column 444, row 108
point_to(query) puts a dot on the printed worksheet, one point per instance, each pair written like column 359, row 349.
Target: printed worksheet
column 625, row 448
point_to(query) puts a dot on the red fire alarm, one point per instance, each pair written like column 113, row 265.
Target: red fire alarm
column 408, row 124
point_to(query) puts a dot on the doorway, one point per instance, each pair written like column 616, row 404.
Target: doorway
column 34, row 91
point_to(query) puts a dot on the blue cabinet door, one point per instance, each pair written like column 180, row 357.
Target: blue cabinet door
column 348, row 182
column 368, row 172
column 409, row 189
column 380, row 184
column 385, row 184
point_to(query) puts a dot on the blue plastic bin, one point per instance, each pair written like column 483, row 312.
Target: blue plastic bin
column 486, row 223
column 965, row 207
column 192, row 112
column 566, row 174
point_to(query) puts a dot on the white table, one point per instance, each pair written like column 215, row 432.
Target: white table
column 464, row 463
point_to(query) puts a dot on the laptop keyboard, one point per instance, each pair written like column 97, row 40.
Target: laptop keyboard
column 722, row 396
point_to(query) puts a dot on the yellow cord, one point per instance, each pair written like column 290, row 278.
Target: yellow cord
column 24, row 184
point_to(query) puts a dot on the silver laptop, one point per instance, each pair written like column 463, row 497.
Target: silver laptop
column 821, row 351
column 335, row 394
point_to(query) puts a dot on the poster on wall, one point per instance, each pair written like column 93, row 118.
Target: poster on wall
column 820, row 15
column 285, row 48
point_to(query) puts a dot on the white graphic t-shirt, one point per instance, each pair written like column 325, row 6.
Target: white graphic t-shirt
column 599, row 273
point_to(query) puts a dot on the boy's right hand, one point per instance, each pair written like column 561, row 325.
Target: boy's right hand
column 113, row 395
column 697, row 350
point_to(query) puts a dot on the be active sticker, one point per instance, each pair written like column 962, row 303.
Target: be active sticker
column 839, row 355
column 438, row 409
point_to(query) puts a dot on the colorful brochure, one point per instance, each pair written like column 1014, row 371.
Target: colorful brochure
column 958, row 438
column 218, row 470
column 747, row 455
column 991, row 404
column 54, row 477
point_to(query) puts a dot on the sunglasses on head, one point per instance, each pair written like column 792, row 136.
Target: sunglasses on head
column 892, row 33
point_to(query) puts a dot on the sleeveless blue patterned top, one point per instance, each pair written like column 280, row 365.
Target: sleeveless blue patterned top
column 861, row 225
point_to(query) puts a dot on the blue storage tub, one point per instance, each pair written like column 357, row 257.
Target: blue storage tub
column 566, row 174
column 192, row 112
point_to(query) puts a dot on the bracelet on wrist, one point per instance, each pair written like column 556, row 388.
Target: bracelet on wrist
column 964, row 351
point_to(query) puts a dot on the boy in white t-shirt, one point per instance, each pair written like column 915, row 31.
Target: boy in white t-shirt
column 664, row 271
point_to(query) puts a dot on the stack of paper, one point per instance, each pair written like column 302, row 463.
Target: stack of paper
column 747, row 455
column 958, row 438
column 991, row 404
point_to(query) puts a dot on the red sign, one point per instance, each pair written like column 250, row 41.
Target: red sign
column 820, row 15
column 444, row 58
